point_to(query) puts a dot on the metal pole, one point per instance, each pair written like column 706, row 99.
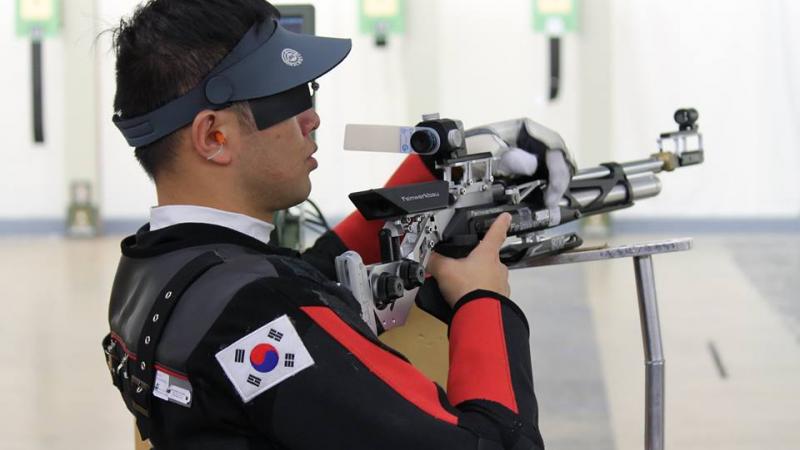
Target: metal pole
column 654, row 165
column 653, row 353
column 36, row 80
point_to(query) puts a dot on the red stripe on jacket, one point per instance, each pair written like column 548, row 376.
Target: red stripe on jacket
column 401, row 376
column 479, row 367
column 360, row 234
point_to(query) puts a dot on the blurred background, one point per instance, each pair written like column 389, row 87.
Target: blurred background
column 730, row 309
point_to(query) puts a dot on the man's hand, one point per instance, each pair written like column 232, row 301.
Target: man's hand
column 482, row 269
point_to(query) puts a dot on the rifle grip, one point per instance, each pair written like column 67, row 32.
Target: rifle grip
column 430, row 300
column 458, row 246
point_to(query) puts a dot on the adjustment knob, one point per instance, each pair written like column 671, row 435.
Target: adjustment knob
column 455, row 138
column 686, row 118
column 412, row 274
column 388, row 288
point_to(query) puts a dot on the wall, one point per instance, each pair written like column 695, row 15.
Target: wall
column 127, row 193
column 738, row 65
column 31, row 175
column 631, row 65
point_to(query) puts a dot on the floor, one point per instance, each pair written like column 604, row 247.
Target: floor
column 729, row 315
column 730, row 312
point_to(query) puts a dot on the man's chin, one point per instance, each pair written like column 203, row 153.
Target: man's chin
column 300, row 198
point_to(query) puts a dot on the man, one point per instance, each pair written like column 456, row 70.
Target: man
column 221, row 340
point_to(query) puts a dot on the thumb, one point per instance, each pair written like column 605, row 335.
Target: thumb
column 496, row 235
column 436, row 263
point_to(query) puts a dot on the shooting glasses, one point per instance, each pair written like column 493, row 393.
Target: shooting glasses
column 271, row 67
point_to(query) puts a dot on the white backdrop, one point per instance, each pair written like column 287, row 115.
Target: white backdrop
column 737, row 61
column 740, row 66
column 31, row 176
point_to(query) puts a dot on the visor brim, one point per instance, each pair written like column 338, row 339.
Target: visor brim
column 285, row 61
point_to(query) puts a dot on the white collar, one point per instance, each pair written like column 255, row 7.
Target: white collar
column 165, row 216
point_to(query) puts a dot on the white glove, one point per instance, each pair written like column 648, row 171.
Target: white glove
column 523, row 147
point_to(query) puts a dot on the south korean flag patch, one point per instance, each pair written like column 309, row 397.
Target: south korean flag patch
column 264, row 358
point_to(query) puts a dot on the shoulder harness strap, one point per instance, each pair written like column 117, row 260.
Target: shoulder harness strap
column 143, row 372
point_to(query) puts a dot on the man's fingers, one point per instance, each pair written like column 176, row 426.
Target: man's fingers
column 497, row 234
column 436, row 263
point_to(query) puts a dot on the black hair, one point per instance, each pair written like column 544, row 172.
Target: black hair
column 166, row 48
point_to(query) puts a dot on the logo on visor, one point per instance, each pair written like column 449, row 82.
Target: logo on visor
column 291, row 57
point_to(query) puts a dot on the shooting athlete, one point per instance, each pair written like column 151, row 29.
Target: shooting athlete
column 219, row 339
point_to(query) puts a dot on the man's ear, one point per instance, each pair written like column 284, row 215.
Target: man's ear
column 209, row 137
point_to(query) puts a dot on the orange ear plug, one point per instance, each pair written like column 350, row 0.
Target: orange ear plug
column 219, row 137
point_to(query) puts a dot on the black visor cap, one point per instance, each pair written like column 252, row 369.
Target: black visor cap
column 268, row 61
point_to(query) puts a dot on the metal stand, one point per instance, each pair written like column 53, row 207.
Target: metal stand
column 648, row 314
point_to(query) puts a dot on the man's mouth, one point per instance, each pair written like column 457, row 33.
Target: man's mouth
column 311, row 160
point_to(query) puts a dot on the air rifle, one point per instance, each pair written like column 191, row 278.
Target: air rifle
column 451, row 214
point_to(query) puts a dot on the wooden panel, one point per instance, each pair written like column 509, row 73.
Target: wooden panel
column 423, row 340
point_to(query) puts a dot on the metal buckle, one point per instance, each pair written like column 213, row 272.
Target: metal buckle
column 121, row 365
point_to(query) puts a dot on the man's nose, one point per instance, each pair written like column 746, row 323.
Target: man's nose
column 309, row 121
